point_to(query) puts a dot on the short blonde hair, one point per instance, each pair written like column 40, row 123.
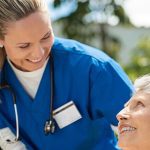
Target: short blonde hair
column 142, row 84
column 13, row 10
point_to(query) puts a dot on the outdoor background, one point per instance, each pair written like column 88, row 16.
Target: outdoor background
column 121, row 28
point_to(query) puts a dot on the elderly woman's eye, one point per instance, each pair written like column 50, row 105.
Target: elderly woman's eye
column 139, row 103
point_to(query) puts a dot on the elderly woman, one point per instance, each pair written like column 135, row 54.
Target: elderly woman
column 134, row 119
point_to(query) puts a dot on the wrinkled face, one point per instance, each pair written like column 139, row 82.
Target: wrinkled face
column 134, row 123
column 28, row 41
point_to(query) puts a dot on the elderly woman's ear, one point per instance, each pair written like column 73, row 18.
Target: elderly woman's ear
column 2, row 56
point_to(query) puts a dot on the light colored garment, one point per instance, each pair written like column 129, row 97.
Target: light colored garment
column 29, row 80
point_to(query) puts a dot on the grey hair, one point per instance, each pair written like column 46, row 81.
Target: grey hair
column 14, row 10
column 142, row 84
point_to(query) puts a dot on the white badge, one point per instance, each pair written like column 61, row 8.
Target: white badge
column 7, row 141
column 66, row 114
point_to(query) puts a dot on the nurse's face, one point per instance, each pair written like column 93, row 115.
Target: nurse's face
column 134, row 123
column 28, row 41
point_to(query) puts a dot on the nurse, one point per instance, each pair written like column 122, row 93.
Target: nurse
column 77, row 88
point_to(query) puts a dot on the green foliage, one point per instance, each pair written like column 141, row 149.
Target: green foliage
column 140, row 60
column 75, row 26
column 123, row 18
column 57, row 3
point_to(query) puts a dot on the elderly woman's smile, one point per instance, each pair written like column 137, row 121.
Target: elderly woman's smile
column 125, row 129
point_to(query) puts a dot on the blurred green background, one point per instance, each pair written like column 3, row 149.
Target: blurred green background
column 104, row 24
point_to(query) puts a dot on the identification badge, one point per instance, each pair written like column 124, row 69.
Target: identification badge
column 8, row 142
column 66, row 114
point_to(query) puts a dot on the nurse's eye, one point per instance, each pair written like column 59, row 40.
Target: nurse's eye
column 24, row 46
column 46, row 37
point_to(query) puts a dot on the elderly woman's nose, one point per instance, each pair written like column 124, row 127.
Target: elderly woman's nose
column 123, row 115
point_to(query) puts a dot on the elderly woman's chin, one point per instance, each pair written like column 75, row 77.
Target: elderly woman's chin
column 131, row 140
column 127, row 140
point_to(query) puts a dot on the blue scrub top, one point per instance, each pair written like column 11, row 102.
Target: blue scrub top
column 92, row 80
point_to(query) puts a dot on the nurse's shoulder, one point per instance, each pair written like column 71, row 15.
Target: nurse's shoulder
column 68, row 46
column 89, row 59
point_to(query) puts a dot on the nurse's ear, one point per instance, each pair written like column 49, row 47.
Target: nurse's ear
column 1, row 43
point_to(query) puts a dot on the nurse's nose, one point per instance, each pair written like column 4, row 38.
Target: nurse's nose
column 37, row 52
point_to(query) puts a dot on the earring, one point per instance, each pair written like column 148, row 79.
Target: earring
column 1, row 46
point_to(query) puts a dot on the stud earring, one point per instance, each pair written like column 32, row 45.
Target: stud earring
column 1, row 46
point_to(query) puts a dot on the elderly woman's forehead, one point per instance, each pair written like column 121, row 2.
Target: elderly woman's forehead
column 141, row 96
